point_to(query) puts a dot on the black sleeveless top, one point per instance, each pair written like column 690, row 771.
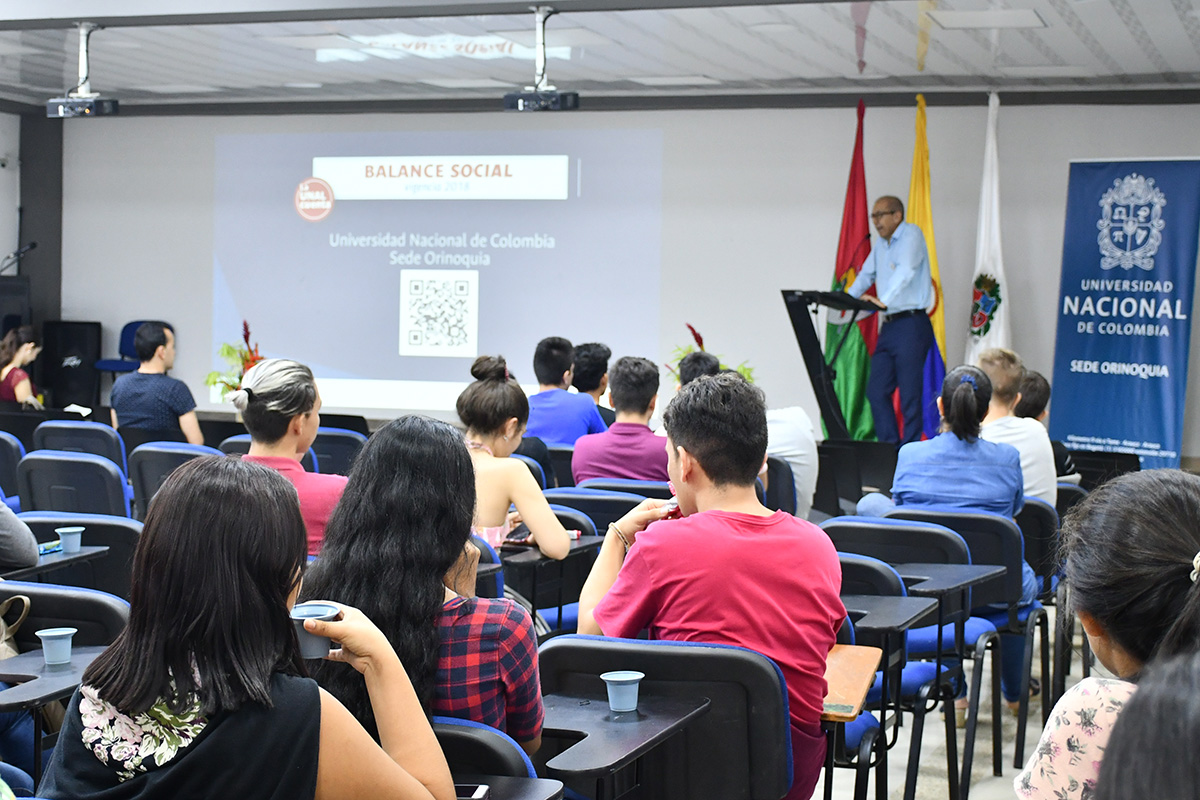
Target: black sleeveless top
column 254, row 753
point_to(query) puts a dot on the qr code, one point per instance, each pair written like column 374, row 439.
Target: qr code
column 439, row 313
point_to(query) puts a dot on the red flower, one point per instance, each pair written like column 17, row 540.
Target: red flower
column 696, row 335
column 246, row 333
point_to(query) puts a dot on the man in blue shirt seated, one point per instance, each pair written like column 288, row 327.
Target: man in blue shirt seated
column 149, row 399
column 555, row 415
column 898, row 266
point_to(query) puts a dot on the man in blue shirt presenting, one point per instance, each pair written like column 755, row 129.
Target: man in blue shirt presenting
column 898, row 266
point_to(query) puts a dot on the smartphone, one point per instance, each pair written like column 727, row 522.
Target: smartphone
column 472, row 791
column 49, row 547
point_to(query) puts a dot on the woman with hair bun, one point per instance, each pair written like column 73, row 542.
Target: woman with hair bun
column 495, row 410
column 18, row 349
column 280, row 406
column 1131, row 559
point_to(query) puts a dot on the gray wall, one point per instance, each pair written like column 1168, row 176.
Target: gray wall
column 751, row 204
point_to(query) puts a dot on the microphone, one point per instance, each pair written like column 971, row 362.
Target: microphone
column 20, row 251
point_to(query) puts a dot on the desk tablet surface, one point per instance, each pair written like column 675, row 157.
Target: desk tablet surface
column 56, row 560
column 37, row 683
column 507, row 788
column 849, row 674
column 887, row 613
column 931, row 580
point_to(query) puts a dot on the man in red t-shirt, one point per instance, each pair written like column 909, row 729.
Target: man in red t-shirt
column 730, row 571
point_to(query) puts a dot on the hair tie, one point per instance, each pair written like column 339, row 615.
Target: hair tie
column 971, row 380
column 507, row 377
column 1195, row 568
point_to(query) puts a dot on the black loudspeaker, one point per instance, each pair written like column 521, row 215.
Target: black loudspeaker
column 69, row 374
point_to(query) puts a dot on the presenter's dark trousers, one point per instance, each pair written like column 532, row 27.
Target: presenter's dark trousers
column 899, row 362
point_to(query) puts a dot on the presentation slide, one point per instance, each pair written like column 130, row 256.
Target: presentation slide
column 388, row 261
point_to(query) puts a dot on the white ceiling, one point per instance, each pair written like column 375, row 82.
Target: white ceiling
column 803, row 48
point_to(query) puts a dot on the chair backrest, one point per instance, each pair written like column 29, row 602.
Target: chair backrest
column 601, row 507
column 128, row 335
column 870, row 576
column 98, row 616
column 560, row 457
column 659, row 489
column 535, row 468
column 781, row 485
column 897, row 541
column 740, row 748
column 346, row 422
column 336, row 448
column 81, row 437
column 151, row 463
column 136, row 437
column 1097, row 466
column 239, row 445
column 487, row 555
column 477, row 749
column 992, row 539
column 1038, row 522
column 218, row 430
column 11, row 453
column 119, row 534
column 1068, row 496
column 53, row 480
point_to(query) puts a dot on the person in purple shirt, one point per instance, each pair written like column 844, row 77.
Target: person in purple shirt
column 628, row 449
column 557, row 416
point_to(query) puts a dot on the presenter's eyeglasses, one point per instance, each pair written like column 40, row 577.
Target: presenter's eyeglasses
column 882, row 214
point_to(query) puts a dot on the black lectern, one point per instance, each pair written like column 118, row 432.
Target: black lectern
column 819, row 372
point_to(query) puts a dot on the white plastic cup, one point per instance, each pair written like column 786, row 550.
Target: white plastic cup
column 622, row 689
column 311, row 645
column 56, row 644
column 71, row 538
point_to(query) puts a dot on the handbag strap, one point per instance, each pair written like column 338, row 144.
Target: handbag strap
column 11, row 628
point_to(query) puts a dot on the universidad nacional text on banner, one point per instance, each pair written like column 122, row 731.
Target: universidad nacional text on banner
column 445, row 177
column 1124, row 308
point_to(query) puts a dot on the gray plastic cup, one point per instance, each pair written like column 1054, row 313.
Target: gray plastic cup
column 622, row 689
column 71, row 538
column 56, row 644
column 311, row 645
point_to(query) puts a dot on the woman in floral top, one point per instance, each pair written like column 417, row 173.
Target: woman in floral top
column 1132, row 560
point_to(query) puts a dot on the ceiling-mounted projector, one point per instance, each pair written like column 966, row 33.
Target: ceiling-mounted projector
column 82, row 101
column 541, row 96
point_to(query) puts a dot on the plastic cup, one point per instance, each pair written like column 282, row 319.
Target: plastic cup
column 311, row 645
column 56, row 644
column 71, row 538
column 622, row 689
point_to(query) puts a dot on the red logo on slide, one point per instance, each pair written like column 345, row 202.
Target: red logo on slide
column 314, row 199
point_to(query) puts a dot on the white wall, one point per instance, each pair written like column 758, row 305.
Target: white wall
column 751, row 204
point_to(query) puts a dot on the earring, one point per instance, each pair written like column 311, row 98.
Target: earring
column 506, row 438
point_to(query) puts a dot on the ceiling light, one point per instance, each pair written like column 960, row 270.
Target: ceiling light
column 302, row 85
column 558, row 37
column 180, row 88
column 995, row 18
column 677, row 80
column 467, row 83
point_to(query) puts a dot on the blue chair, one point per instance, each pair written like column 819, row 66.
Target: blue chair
column 560, row 457
column 474, row 748
column 602, row 507
column 1038, row 522
column 851, row 743
column 239, row 445
column 1068, row 496
column 336, row 448
column 151, row 463
column 120, row 534
column 128, row 359
column 568, row 619
column 53, row 480
column 740, row 748
column 493, row 586
column 81, row 437
column 659, row 489
column 781, row 486
column 535, row 468
column 11, row 453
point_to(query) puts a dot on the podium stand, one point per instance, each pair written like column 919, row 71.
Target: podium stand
column 800, row 306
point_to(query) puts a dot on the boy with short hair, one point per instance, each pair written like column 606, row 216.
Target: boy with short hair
column 557, row 416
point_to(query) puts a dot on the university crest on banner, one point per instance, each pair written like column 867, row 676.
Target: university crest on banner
column 1131, row 226
column 985, row 303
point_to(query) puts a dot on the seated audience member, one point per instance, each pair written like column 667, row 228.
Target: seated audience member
column 148, row 399
column 591, row 375
column 1005, row 370
column 18, row 349
column 958, row 469
column 18, row 545
column 1034, row 404
column 495, row 411
column 557, row 416
column 280, row 406
column 1130, row 555
column 751, row 577
column 790, row 436
column 697, row 365
column 628, row 449
column 399, row 549
column 1152, row 749
column 204, row 694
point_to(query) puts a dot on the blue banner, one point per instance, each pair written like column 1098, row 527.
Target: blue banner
column 1124, row 309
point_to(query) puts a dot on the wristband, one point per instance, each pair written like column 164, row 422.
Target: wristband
column 613, row 527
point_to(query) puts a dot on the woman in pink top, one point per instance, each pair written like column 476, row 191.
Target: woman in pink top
column 18, row 349
column 280, row 405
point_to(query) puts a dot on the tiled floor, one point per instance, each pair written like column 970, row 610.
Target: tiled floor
column 932, row 783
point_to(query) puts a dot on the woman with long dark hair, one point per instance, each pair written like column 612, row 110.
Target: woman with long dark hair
column 1131, row 560
column 203, row 694
column 398, row 547
column 18, row 349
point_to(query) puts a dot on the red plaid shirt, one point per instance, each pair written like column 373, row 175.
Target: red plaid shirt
column 488, row 666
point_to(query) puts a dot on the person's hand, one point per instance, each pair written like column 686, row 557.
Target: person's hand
column 461, row 577
column 649, row 510
column 514, row 519
column 33, row 404
column 870, row 298
column 363, row 646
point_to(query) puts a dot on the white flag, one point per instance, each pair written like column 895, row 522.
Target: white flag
column 989, row 295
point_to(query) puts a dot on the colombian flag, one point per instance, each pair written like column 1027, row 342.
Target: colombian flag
column 920, row 213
